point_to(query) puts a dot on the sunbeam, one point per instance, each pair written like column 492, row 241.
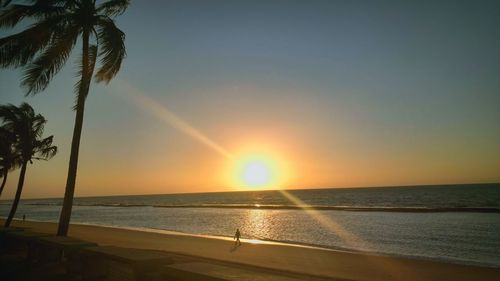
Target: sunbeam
column 145, row 103
column 392, row 268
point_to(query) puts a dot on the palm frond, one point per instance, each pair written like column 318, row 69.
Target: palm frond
column 44, row 150
column 113, row 7
column 9, row 117
column 18, row 49
column 39, row 73
column 13, row 14
column 111, row 49
column 38, row 125
column 26, row 109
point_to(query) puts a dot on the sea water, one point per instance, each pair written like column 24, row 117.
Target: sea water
column 453, row 223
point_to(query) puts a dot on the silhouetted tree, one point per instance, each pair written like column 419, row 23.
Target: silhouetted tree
column 9, row 158
column 44, row 47
column 27, row 128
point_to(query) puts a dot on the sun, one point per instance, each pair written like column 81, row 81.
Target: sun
column 256, row 173
column 257, row 170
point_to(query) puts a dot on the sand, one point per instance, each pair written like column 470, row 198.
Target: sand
column 304, row 260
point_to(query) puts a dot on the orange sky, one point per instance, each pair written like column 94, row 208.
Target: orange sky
column 338, row 93
column 170, row 154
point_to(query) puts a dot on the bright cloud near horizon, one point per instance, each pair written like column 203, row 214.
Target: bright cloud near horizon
column 245, row 95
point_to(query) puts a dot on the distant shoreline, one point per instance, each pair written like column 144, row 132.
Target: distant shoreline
column 294, row 207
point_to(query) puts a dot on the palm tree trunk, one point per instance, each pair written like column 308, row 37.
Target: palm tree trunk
column 65, row 216
column 20, row 184
column 3, row 181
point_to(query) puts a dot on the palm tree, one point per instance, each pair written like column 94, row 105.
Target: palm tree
column 27, row 128
column 9, row 159
column 44, row 47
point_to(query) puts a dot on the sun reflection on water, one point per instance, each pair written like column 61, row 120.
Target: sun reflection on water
column 258, row 224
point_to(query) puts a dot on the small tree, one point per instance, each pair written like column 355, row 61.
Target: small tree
column 27, row 128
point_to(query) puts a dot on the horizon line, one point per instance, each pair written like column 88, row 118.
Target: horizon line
column 265, row 190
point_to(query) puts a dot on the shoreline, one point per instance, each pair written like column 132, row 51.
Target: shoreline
column 279, row 242
column 318, row 262
column 306, row 245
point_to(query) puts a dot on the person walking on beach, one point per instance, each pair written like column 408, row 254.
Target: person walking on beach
column 237, row 237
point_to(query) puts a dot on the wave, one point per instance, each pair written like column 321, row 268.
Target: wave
column 296, row 207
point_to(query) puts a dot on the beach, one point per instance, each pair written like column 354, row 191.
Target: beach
column 405, row 222
column 309, row 261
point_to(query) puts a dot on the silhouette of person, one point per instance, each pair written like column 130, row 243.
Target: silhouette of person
column 24, row 217
column 237, row 237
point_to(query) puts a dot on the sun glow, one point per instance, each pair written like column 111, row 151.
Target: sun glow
column 256, row 173
column 258, row 170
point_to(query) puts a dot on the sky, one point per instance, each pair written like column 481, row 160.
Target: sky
column 334, row 93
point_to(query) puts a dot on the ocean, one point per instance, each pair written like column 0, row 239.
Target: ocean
column 452, row 223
